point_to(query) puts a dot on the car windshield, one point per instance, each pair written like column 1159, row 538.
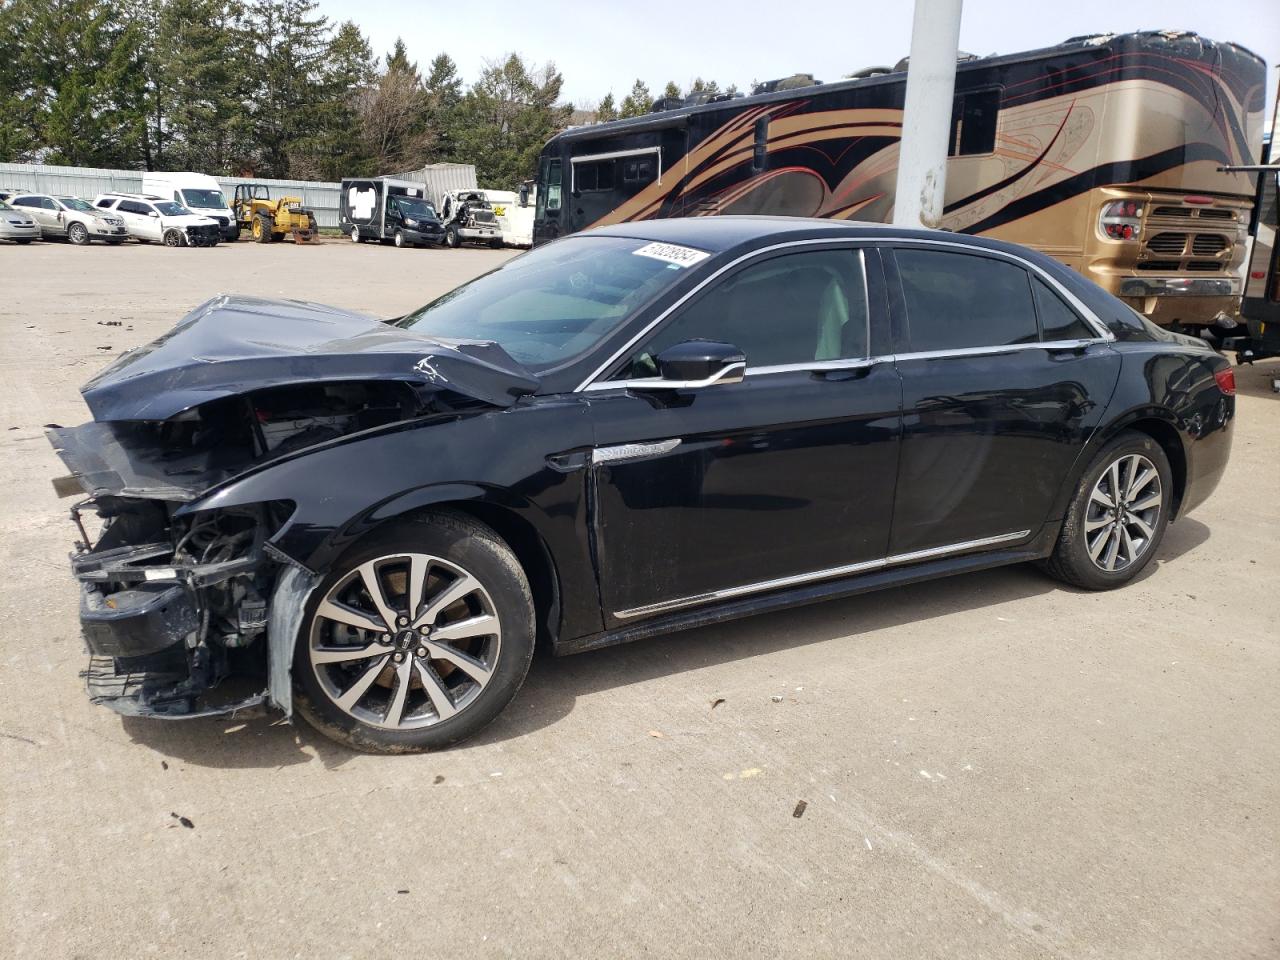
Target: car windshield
column 206, row 199
column 171, row 209
column 75, row 203
column 555, row 302
column 412, row 207
column 4, row 206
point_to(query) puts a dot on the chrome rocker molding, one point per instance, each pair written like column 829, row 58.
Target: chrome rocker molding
column 865, row 566
column 1104, row 335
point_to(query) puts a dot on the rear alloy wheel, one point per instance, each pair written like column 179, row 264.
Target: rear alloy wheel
column 78, row 234
column 1118, row 516
column 355, row 235
column 417, row 640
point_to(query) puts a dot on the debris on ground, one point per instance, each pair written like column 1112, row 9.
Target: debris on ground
column 798, row 812
column 185, row 821
column 439, row 778
column 714, row 703
column 776, row 699
column 657, row 734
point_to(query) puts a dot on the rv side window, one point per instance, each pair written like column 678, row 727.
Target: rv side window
column 553, row 186
column 973, row 123
column 638, row 172
column 594, row 176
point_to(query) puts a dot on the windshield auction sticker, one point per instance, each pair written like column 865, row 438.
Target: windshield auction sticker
column 672, row 253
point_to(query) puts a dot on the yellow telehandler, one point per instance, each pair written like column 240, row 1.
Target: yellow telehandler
column 267, row 220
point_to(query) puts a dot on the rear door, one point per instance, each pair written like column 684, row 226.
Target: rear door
column 43, row 211
column 1004, row 379
column 138, row 220
column 784, row 478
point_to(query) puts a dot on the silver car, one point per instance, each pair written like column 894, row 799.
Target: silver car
column 16, row 225
column 70, row 217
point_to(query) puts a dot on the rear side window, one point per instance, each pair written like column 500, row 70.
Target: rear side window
column 132, row 206
column 1057, row 320
column 957, row 301
column 594, row 176
column 27, row 202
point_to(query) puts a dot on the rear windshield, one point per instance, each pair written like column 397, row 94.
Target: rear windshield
column 555, row 302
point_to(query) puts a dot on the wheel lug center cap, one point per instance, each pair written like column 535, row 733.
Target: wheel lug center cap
column 404, row 639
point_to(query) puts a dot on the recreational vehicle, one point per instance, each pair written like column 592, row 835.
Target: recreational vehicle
column 1103, row 152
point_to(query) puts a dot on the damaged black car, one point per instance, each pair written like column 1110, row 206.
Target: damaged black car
column 626, row 432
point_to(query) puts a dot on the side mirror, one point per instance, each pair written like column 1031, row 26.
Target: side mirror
column 698, row 363
column 152, row 213
column 524, row 194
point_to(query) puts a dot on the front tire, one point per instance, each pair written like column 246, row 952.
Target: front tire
column 262, row 227
column 78, row 234
column 173, row 238
column 400, row 239
column 1117, row 517
column 416, row 639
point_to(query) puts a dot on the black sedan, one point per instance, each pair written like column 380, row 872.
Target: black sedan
column 625, row 432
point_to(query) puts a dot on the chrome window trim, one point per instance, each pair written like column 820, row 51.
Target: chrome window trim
column 1100, row 328
column 865, row 566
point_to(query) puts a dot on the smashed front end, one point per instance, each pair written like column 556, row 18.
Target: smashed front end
column 189, row 610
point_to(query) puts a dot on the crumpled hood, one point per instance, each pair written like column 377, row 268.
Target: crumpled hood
column 234, row 345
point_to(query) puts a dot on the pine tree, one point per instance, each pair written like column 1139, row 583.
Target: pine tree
column 606, row 110
column 336, row 147
column 443, row 89
column 638, row 102
column 672, row 90
column 290, row 43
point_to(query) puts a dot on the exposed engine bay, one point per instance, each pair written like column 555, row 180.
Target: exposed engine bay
column 176, row 599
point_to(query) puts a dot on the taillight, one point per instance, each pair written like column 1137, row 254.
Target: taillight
column 1120, row 220
column 1226, row 380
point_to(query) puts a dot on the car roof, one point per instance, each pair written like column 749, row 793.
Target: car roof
column 720, row 233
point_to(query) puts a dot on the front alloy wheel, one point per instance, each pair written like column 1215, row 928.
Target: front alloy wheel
column 417, row 640
column 78, row 234
column 405, row 641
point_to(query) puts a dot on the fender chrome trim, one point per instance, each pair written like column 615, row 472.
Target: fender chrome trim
column 830, row 573
column 632, row 451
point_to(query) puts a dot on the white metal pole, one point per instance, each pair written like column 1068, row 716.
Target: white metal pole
column 926, row 120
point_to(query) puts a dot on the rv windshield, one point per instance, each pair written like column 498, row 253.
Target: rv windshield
column 205, row 199
column 553, row 303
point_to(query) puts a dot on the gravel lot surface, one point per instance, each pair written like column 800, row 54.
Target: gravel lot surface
column 989, row 766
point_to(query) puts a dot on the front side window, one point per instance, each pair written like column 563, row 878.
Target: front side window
column 170, row 209
column 799, row 308
column 956, row 301
column 553, row 186
column 638, row 171
column 555, row 302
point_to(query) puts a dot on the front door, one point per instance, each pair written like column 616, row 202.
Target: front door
column 786, row 476
column 1003, row 382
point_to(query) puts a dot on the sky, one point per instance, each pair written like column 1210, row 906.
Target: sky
column 601, row 46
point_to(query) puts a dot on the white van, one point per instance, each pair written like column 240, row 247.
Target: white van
column 199, row 193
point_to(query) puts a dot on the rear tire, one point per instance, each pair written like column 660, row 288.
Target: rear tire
column 495, row 244
column 451, row 238
column 22, row 243
column 355, row 235
column 1107, row 540
column 474, row 655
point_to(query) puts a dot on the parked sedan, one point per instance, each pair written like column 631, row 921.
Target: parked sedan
column 626, row 432
column 16, row 225
column 70, row 218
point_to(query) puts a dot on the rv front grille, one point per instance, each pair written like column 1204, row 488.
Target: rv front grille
column 1204, row 266
column 1161, row 266
column 1207, row 213
column 1180, row 213
column 1207, row 244
column 1168, row 243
